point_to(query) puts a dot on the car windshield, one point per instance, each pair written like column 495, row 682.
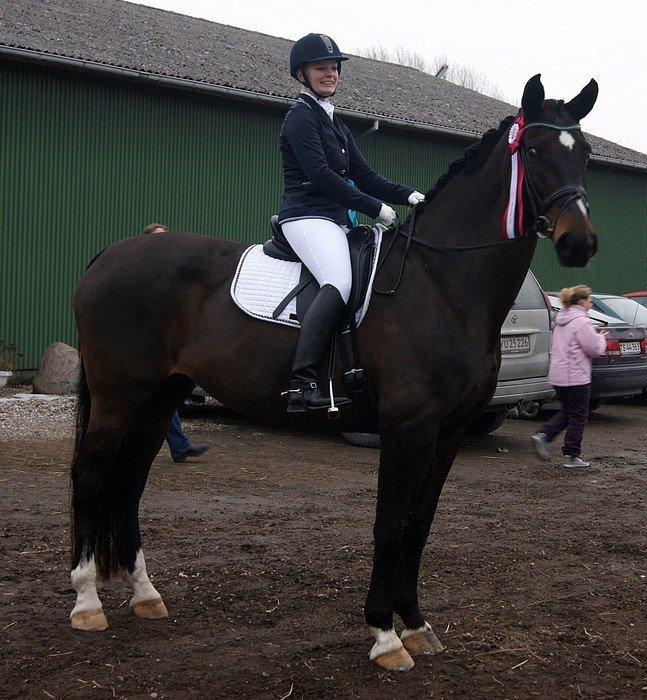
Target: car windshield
column 596, row 317
column 640, row 300
column 626, row 309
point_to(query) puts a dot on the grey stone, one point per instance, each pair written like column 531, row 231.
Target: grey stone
column 58, row 372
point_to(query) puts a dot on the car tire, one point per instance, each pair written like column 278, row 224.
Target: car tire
column 371, row 440
column 487, row 422
column 528, row 410
column 594, row 404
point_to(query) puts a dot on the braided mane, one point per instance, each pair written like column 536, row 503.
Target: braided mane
column 470, row 160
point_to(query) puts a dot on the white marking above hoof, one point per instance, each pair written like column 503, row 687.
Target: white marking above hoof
column 84, row 582
column 406, row 632
column 385, row 642
column 143, row 589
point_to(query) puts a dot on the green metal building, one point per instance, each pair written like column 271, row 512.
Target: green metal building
column 94, row 147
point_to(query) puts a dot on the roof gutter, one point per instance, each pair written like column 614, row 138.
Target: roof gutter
column 109, row 70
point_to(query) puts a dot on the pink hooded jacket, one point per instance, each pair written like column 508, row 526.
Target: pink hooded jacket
column 575, row 342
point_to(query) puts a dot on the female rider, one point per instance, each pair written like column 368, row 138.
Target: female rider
column 319, row 156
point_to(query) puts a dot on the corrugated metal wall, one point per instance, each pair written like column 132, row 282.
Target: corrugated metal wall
column 87, row 161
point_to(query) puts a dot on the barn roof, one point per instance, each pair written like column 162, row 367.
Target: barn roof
column 158, row 42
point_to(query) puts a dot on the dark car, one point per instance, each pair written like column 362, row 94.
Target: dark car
column 638, row 297
column 628, row 310
column 622, row 370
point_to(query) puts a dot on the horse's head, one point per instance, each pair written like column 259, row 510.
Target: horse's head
column 555, row 155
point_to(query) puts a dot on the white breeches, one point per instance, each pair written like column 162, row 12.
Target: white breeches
column 323, row 249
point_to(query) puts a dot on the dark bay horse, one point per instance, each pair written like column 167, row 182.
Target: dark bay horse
column 155, row 317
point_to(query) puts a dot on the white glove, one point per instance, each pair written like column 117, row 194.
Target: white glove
column 387, row 216
column 416, row 198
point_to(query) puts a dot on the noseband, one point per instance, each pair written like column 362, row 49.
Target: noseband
column 542, row 225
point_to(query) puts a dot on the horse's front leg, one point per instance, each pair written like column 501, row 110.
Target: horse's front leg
column 404, row 461
column 417, row 636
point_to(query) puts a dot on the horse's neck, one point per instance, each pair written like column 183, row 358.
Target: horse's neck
column 469, row 211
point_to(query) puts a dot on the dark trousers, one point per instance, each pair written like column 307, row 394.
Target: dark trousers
column 177, row 440
column 573, row 416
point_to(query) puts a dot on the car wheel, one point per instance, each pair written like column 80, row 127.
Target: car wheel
column 528, row 410
column 363, row 439
column 487, row 422
column 594, row 404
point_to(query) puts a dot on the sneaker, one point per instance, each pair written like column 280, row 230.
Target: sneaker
column 540, row 442
column 573, row 462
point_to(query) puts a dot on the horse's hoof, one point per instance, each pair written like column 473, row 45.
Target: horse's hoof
column 398, row 660
column 89, row 620
column 150, row 609
column 423, row 643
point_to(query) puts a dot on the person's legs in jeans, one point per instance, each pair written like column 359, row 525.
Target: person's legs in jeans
column 578, row 411
column 177, row 440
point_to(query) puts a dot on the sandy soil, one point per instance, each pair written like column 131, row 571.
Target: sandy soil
column 534, row 577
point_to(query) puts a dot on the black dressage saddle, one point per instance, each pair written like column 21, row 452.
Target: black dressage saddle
column 361, row 243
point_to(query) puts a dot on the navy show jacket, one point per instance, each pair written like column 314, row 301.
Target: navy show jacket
column 319, row 154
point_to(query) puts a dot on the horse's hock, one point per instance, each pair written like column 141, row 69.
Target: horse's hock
column 58, row 371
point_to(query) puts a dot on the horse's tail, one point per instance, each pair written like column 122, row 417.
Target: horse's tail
column 96, row 516
column 78, row 459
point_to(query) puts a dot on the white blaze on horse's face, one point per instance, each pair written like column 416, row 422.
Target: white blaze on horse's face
column 566, row 140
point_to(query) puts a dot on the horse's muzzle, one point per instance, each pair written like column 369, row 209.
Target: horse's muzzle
column 576, row 249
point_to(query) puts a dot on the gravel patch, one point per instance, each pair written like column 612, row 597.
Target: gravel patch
column 27, row 415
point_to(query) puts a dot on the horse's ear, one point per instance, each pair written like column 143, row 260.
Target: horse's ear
column 533, row 97
column 581, row 105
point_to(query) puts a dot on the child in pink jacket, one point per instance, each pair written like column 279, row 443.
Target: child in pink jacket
column 575, row 342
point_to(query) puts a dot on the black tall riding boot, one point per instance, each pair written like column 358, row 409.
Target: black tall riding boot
column 314, row 341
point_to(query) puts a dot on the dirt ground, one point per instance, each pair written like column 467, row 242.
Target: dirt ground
column 534, row 577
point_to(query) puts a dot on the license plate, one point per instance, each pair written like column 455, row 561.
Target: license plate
column 515, row 343
column 630, row 348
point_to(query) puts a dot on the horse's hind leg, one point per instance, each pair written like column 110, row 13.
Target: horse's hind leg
column 94, row 454
column 139, row 449
column 417, row 636
column 404, row 461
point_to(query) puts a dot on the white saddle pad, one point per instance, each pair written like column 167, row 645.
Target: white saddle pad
column 261, row 283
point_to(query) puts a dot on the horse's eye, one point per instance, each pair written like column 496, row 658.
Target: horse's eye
column 532, row 152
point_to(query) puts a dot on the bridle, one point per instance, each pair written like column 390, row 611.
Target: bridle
column 542, row 226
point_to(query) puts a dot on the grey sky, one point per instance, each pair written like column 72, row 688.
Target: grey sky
column 567, row 42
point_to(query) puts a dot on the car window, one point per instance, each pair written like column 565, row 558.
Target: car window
column 530, row 295
column 626, row 309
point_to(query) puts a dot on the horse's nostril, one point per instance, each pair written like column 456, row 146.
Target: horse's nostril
column 593, row 242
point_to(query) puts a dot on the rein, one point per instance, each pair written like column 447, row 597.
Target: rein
column 542, row 226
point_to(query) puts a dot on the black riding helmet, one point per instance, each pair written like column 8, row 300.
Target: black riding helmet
column 314, row 47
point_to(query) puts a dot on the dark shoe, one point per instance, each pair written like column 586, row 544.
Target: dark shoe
column 193, row 451
column 314, row 341
column 310, row 398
